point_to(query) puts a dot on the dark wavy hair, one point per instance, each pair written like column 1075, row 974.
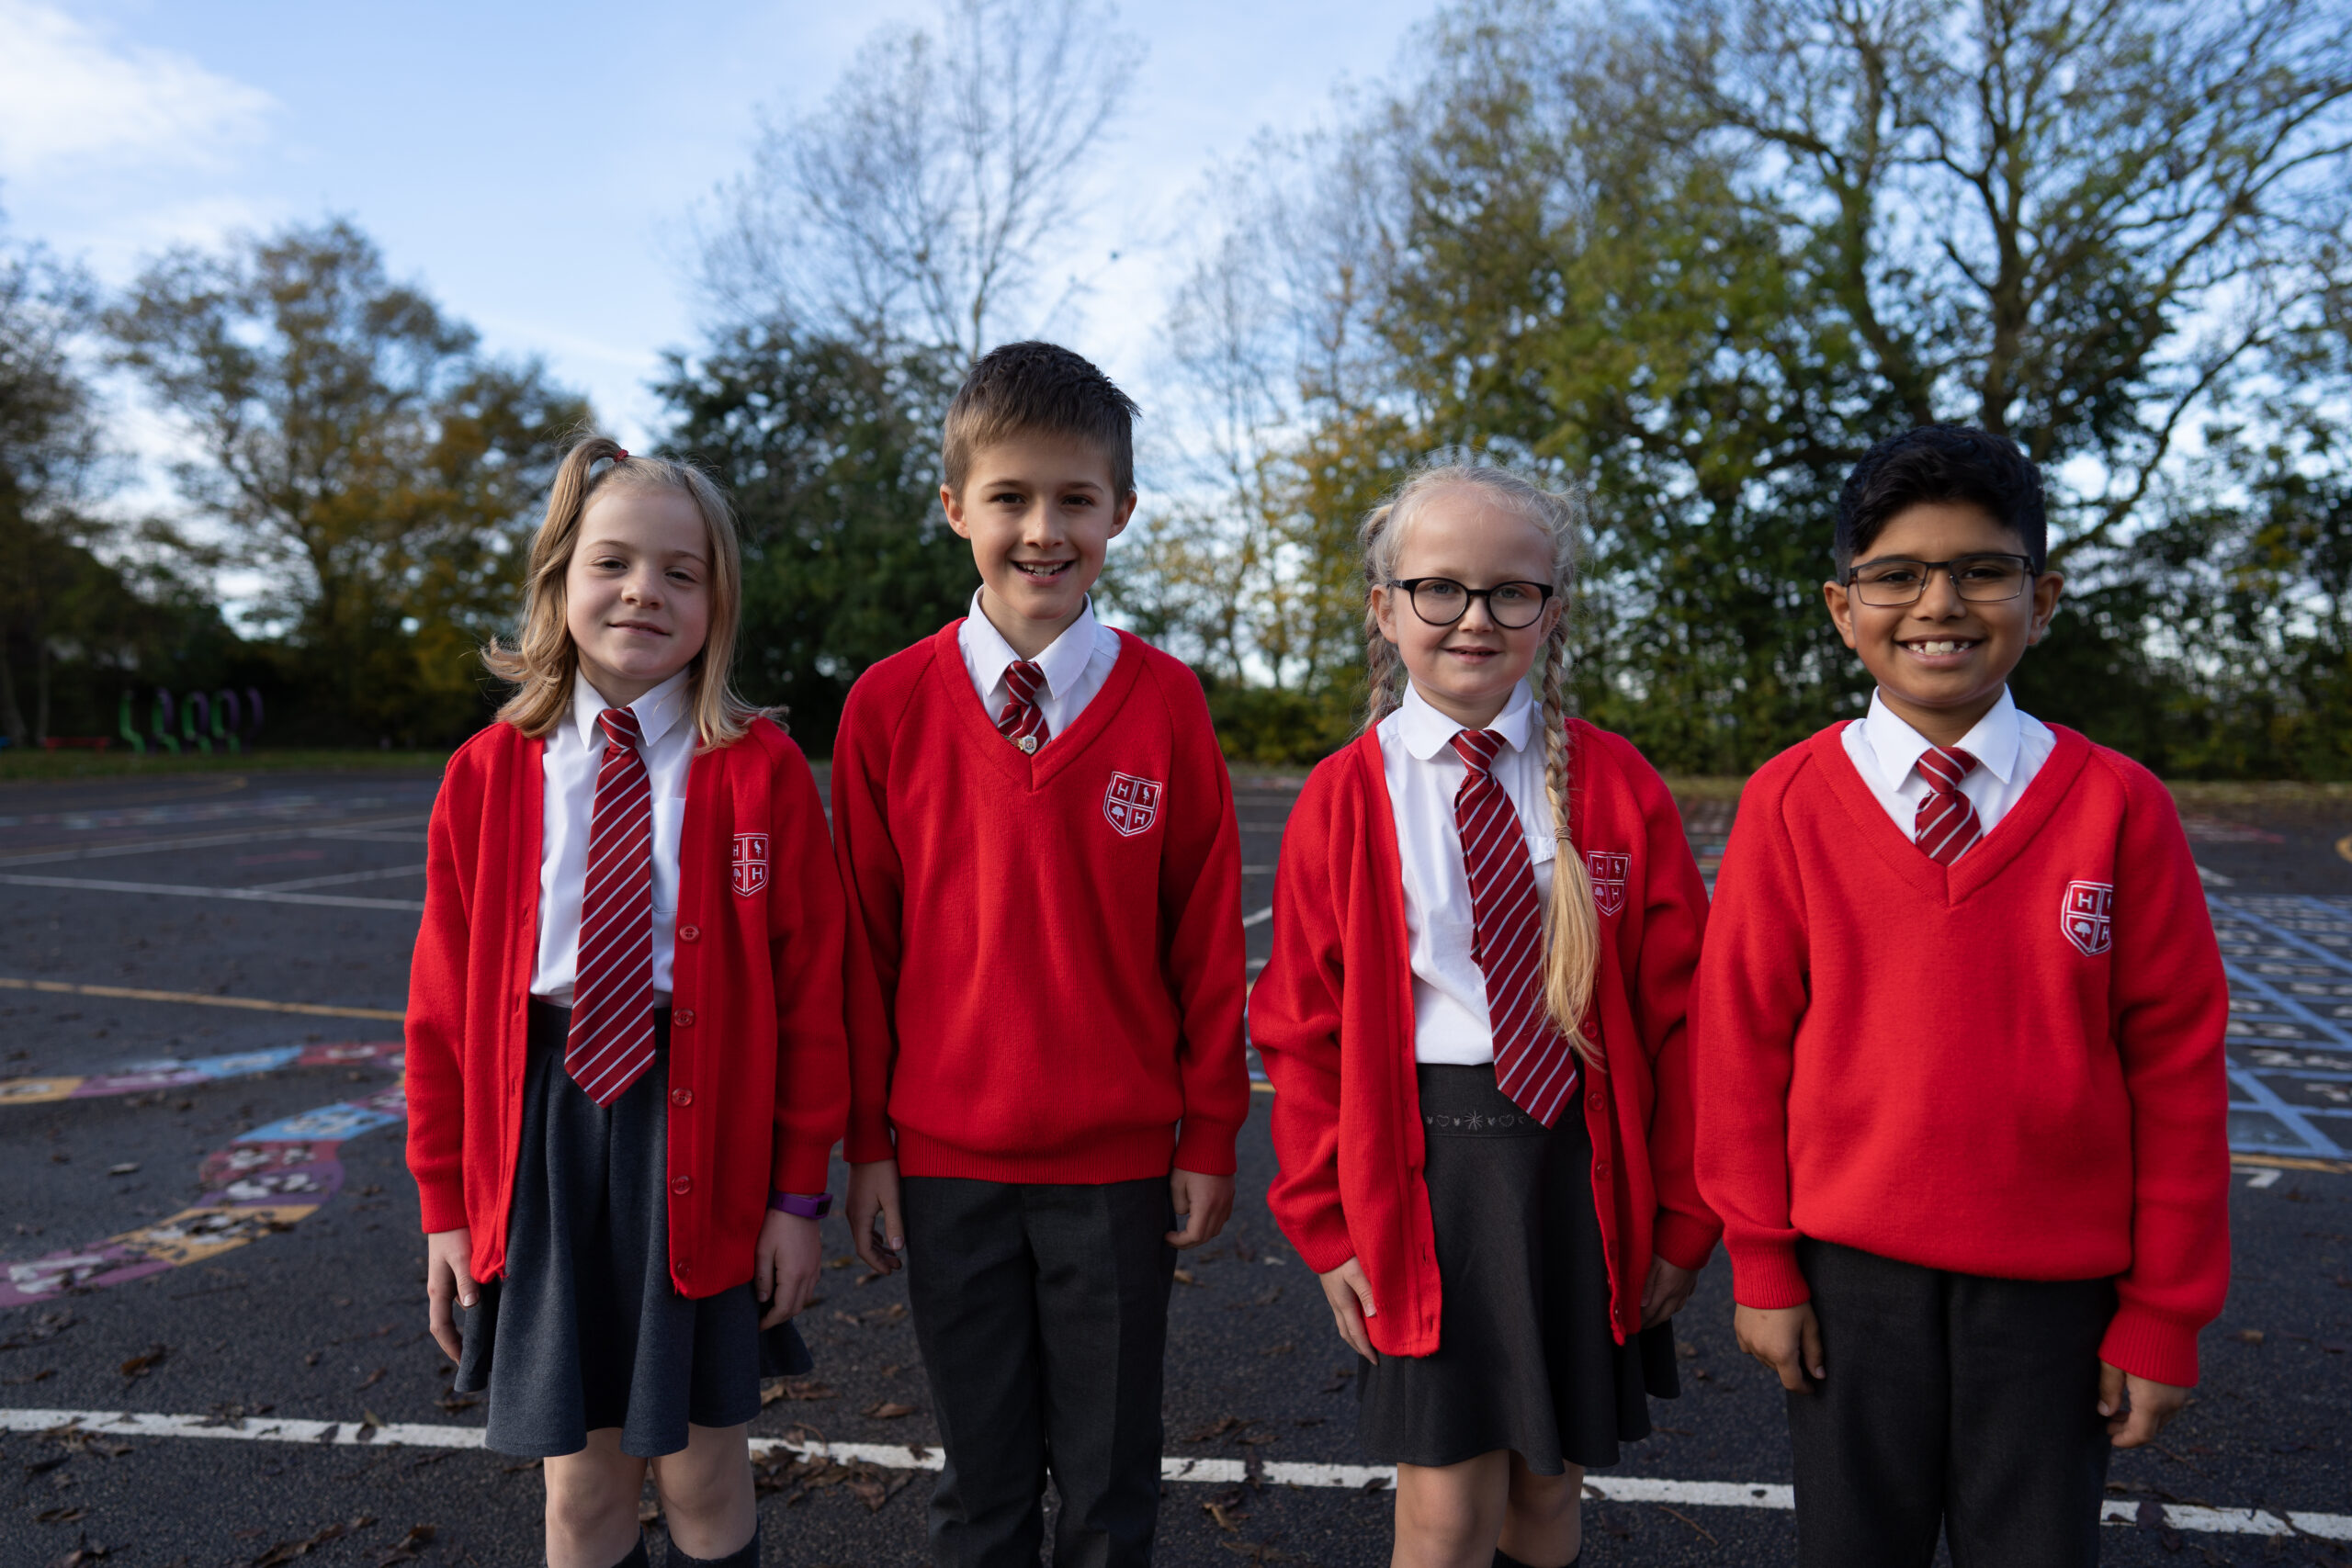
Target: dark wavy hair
column 1942, row 463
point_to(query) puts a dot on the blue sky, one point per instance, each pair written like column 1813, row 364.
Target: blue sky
column 535, row 166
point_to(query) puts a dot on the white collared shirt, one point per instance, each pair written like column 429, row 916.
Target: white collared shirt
column 1423, row 772
column 574, row 753
column 1075, row 665
column 2009, row 748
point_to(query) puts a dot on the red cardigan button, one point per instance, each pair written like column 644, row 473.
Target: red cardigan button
column 1599, row 1101
column 682, row 1185
column 682, row 1096
column 1592, row 1030
column 689, row 933
column 1599, row 1171
column 682, row 1019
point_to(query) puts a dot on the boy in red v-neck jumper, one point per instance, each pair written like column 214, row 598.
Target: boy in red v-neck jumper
column 1037, row 834
column 1958, row 1025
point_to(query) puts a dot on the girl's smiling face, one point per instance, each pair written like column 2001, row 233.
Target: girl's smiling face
column 1467, row 671
column 637, row 595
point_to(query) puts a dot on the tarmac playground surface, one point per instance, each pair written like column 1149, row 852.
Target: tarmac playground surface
column 213, row 1347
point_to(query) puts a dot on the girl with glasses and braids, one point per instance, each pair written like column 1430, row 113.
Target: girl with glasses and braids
column 1486, row 924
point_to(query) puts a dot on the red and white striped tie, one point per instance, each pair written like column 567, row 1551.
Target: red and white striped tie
column 1946, row 823
column 1022, row 722
column 1533, row 1063
column 611, row 1042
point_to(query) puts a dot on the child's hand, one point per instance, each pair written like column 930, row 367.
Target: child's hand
column 1202, row 1202
column 874, row 1189
column 1350, row 1295
column 1787, row 1339
column 785, row 1270
column 449, row 1264
column 1664, row 1292
column 2136, row 1408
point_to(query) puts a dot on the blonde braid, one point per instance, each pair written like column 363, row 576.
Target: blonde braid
column 1572, row 955
column 1384, row 669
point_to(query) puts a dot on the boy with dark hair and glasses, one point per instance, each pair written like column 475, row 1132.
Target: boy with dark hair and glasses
column 1958, row 1027
column 1037, row 836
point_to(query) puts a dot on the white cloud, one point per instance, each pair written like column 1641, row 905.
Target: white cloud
column 71, row 97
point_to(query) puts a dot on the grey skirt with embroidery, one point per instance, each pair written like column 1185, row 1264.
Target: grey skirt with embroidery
column 1525, row 1358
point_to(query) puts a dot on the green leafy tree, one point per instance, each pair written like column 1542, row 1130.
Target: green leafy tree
column 831, row 454
column 359, row 449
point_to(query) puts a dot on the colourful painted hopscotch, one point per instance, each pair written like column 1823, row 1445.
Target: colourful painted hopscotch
column 265, row 1181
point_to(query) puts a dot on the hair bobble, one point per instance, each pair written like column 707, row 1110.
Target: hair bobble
column 621, row 456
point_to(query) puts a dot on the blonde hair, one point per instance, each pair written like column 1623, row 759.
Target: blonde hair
column 544, row 660
column 1572, row 925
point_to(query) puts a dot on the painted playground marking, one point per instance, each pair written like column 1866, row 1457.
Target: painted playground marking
column 198, row 998
column 265, row 1181
column 1208, row 1472
column 239, row 895
column 366, row 831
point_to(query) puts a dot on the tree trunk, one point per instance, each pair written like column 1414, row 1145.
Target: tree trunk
column 42, row 662
column 11, row 721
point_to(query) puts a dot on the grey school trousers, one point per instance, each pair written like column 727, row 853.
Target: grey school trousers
column 1042, row 1314
column 1953, row 1401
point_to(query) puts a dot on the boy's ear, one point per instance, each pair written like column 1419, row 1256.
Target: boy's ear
column 1841, row 610
column 1121, row 514
column 953, row 504
column 2046, row 588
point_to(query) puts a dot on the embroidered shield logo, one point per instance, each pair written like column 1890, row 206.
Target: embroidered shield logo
column 1131, row 803
column 2088, row 917
column 1608, row 870
column 750, row 870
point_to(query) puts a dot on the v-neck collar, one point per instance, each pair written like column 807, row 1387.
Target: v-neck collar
column 1034, row 770
column 1989, row 856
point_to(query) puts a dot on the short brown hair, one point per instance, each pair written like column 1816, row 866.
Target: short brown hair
column 1042, row 388
column 544, row 659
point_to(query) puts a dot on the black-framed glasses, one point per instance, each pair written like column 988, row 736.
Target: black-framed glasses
column 1440, row 601
column 1895, row 581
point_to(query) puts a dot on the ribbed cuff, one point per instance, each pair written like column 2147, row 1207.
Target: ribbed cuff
column 799, row 1170
column 1206, row 1147
column 869, row 1140
column 1764, row 1275
column 443, row 1207
column 2149, row 1345
column 1683, row 1241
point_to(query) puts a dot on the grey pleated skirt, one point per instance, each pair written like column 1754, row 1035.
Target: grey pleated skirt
column 585, row 1331
column 1525, row 1358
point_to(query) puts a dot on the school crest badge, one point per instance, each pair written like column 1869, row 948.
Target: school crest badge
column 1608, row 870
column 750, row 867
column 1131, row 805
column 2088, row 917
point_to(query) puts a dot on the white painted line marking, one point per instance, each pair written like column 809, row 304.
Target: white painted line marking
column 337, row 879
column 1210, row 1472
column 238, row 894
column 1265, row 914
column 2215, row 879
column 369, row 829
column 2263, row 1178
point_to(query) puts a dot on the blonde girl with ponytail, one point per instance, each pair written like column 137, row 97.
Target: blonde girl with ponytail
column 1485, row 921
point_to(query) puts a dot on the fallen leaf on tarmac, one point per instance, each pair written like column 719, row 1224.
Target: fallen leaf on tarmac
column 1225, row 1520
column 147, row 1360
column 1205, row 1434
column 890, row 1410
column 48, row 1326
column 869, row 1278
column 1285, row 1348
column 1269, row 1299
column 46, row 1373
column 798, row 1388
column 2248, row 1337
column 1184, row 1277
column 1255, row 1439
column 60, row 1515
column 844, row 1261
column 372, row 1379
column 1377, row 1484
column 649, row 1509
column 408, row 1547
column 287, row 1551
column 81, row 1554
column 1339, row 1376
column 123, row 1169
column 456, row 1402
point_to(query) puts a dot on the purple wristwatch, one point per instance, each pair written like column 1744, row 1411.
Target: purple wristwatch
column 801, row 1206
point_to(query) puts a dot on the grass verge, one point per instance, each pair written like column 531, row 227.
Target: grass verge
column 27, row 765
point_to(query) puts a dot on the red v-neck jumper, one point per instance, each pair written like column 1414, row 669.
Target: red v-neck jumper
column 1332, row 1016
column 1045, row 949
column 759, row 1060
column 2011, row 1066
